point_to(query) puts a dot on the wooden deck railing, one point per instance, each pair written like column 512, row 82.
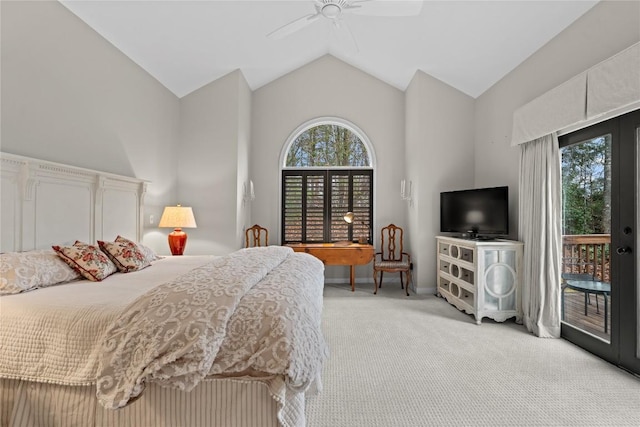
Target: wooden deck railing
column 587, row 254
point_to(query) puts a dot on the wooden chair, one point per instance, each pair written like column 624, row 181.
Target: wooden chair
column 392, row 257
column 256, row 236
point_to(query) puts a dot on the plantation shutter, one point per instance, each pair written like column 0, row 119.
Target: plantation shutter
column 292, row 209
column 315, row 208
column 362, row 209
column 339, row 206
column 315, row 201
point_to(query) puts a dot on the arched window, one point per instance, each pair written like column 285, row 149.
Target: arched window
column 327, row 172
column 327, row 145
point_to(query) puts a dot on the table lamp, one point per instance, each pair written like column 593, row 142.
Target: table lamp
column 177, row 217
column 349, row 218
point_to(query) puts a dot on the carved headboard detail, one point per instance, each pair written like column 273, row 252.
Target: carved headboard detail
column 44, row 203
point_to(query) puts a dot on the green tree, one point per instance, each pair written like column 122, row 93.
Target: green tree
column 586, row 184
column 326, row 146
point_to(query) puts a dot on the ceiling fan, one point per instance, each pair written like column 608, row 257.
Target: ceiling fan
column 334, row 11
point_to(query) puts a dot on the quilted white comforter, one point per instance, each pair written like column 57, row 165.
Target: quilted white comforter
column 255, row 312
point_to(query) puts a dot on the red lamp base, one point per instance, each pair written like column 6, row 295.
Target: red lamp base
column 177, row 241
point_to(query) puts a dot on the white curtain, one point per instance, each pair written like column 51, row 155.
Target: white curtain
column 540, row 212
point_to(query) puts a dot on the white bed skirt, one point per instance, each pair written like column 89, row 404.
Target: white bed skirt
column 214, row 402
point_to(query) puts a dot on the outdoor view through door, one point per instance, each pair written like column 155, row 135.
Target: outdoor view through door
column 600, row 287
column 586, row 235
column 327, row 173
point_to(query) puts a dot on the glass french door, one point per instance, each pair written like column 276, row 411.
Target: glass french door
column 600, row 279
column 627, row 242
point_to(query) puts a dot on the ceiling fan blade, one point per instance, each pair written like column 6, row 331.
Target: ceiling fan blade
column 293, row 26
column 385, row 7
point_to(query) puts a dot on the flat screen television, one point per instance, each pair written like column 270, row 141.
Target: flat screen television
column 475, row 214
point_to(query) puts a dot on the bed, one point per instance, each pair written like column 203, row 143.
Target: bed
column 140, row 347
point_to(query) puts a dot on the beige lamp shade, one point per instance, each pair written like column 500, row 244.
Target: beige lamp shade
column 177, row 217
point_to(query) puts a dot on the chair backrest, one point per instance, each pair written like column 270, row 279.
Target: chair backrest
column 256, row 236
column 391, row 245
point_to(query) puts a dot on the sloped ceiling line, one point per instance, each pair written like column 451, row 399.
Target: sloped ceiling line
column 185, row 45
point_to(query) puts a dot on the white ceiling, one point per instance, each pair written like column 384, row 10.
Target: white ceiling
column 186, row 44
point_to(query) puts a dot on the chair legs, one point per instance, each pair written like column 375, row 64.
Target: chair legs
column 408, row 272
column 375, row 279
column 588, row 300
column 402, row 285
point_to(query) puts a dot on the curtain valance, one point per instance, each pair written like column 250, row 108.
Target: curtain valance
column 606, row 87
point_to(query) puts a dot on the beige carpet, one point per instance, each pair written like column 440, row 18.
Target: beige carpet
column 418, row 361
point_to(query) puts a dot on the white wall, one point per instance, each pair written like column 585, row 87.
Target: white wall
column 213, row 163
column 327, row 87
column 606, row 29
column 69, row 96
column 439, row 157
column 243, row 218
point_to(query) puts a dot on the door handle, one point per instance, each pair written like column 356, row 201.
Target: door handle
column 623, row 250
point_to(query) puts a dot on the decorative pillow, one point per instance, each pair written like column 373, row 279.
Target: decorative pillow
column 125, row 255
column 88, row 260
column 23, row 271
column 149, row 254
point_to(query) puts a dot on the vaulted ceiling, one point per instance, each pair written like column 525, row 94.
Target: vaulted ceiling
column 469, row 45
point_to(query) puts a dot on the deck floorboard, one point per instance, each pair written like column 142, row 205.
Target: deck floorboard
column 592, row 322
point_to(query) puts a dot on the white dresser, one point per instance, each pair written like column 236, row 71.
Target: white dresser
column 482, row 278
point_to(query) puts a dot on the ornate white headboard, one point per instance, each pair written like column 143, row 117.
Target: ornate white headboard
column 44, row 203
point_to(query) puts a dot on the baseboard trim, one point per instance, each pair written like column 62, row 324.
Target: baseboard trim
column 391, row 281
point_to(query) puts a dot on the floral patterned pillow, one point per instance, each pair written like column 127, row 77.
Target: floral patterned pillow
column 125, row 255
column 23, row 271
column 88, row 260
column 149, row 254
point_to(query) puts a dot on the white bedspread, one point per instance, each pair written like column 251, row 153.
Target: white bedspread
column 53, row 334
column 56, row 334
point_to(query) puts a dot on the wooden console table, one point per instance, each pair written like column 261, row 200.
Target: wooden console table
column 339, row 253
